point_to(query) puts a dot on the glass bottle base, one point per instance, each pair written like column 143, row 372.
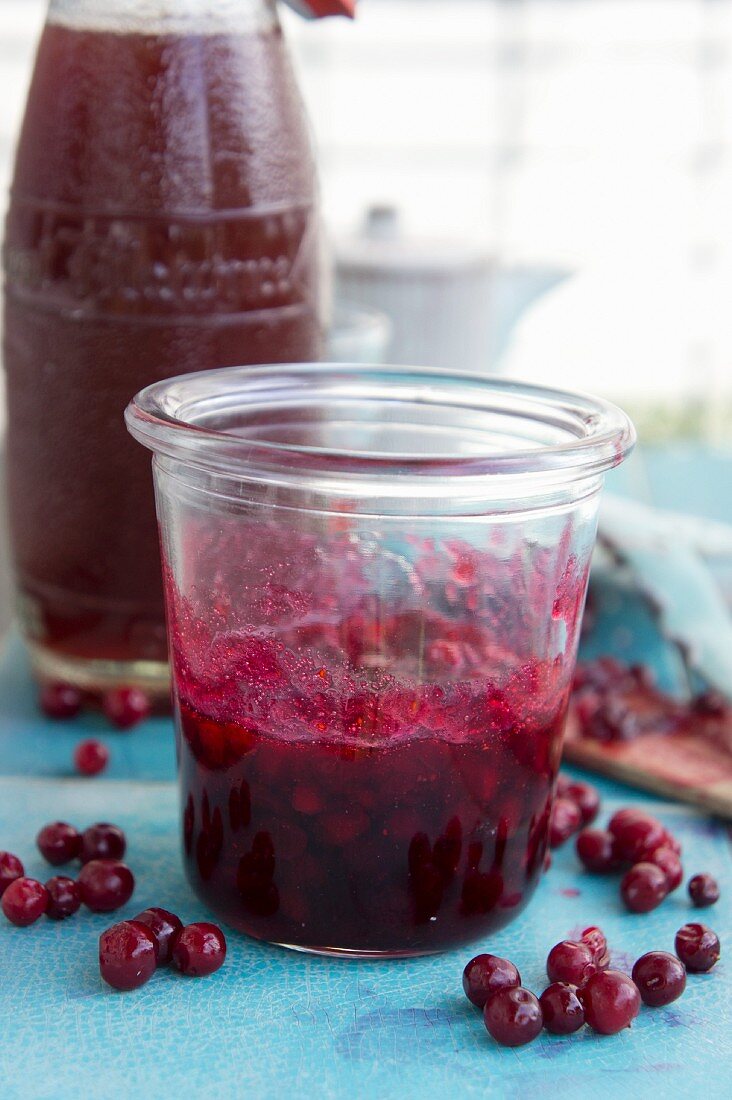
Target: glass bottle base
column 100, row 675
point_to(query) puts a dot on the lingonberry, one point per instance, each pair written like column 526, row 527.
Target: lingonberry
column 643, row 887
column 199, row 950
column 561, row 1008
column 485, row 975
column 59, row 843
column 596, row 850
column 595, row 939
column 24, row 901
column 10, row 869
column 571, row 962
column 59, row 700
column 585, row 797
column 564, row 821
column 703, row 890
column 105, row 884
column 102, row 841
column 670, row 864
column 698, row 947
column 660, row 977
column 623, row 817
column 670, row 841
column 64, row 897
column 611, row 1001
column 166, row 927
column 127, row 955
column 126, row 707
column 635, row 834
column 91, row 757
column 513, row 1017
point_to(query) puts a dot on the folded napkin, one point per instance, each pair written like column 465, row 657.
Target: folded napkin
column 655, row 596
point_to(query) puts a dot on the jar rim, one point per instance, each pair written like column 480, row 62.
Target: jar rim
column 485, row 427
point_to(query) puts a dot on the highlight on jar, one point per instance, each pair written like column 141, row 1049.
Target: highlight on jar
column 374, row 582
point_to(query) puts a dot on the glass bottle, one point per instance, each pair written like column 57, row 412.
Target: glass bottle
column 163, row 220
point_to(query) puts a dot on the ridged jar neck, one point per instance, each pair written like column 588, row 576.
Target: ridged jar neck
column 166, row 16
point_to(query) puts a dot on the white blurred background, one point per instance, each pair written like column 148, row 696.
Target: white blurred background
column 593, row 137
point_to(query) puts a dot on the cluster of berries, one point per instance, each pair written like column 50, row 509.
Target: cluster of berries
column 103, row 884
column 583, row 989
column 129, row 952
column 124, row 708
column 634, row 842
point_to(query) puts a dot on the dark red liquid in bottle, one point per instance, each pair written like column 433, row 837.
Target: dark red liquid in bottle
column 162, row 221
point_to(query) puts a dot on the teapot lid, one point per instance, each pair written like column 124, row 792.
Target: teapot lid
column 382, row 245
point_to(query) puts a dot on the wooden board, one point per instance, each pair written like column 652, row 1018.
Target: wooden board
column 676, row 765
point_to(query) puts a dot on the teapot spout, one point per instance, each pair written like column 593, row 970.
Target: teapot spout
column 515, row 291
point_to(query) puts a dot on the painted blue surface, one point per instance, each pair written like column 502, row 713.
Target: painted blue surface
column 31, row 744
column 274, row 1023
column 277, row 1024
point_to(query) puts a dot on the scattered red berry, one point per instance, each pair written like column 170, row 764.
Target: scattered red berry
column 596, row 849
column 611, row 1001
column 24, row 901
column 126, row 707
column 698, row 947
column 166, row 928
column 570, row 962
column 585, row 797
column 105, row 884
column 127, row 955
column 622, row 818
column 10, row 869
column 485, row 975
column 64, row 897
column 594, row 937
column 670, row 864
column 703, row 891
column 636, row 833
column 565, row 820
column 643, row 887
column 560, row 789
column 91, row 757
column 513, row 1017
column 199, row 950
column 58, row 843
column 562, row 1009
column 102, row 841
column 58, row 700
column 660, row 977
column 671, row 842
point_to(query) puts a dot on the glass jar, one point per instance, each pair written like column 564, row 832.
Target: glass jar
column 374, row 581
column 163, row 220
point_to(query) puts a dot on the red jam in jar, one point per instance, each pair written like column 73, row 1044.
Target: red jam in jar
column 374, row 581
column 373, row 783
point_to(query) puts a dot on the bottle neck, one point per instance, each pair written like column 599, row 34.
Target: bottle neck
column 166, row 16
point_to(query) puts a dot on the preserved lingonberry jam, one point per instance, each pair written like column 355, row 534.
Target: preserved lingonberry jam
column 366, row 778
column 374, row 582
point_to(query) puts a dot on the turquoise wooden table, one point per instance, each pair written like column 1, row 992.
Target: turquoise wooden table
column 276, row 1024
